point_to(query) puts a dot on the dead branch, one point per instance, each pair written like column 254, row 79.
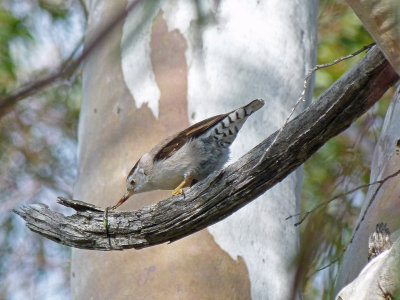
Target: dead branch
column 305, row 214
column 220, row 195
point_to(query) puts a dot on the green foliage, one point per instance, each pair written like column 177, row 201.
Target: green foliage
column 37, row 163
column 10, row 28
column 340, row 33
column 58, row 9
column 341, row 164
column 37, row 158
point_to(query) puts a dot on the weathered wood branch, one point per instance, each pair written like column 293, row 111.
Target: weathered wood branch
column 220, row 195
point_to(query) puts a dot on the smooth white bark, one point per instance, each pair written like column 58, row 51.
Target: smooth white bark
column 247, row 50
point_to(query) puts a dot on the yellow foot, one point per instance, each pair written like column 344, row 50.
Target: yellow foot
column 177, row 191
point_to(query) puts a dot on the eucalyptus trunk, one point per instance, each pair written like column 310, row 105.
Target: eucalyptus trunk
column 170, row 64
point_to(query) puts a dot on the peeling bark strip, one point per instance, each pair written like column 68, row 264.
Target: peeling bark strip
column 217, row 197
column 379, row 241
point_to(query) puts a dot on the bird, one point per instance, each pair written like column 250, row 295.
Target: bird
column 188, row 156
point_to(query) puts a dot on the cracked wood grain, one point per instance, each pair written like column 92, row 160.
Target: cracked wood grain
column 223, row 193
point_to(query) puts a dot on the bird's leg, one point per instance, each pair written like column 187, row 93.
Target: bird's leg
column 187, row 181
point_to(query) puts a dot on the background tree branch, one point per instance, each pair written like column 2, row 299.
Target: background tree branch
column 220, row 195
column 68, row 67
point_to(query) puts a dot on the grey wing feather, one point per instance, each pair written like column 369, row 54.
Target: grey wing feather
column 224, row 125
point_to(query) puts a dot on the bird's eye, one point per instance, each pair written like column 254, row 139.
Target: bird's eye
column 132, row 182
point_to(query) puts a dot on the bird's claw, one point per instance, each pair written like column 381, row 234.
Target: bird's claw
column 177, row 191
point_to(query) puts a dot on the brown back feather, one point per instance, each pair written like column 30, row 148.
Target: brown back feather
column 184, row 136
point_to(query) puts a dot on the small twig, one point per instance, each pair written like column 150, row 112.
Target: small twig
column 359, row 223
column 306, row 213
column 303, row 93
column 78, row 205
column 317, row 67
column 69, row 59
column 84, row 9
column 370, row 203
column 330, row 263
column 69, row 77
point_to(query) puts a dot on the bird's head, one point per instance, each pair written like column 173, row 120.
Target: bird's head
column 136, row 182
column 138, row 178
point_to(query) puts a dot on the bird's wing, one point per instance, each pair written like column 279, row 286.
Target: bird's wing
column 184, row 136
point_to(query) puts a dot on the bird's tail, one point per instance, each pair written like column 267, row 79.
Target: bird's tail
column 226, row 130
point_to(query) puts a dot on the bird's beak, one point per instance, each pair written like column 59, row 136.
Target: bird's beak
column 123, row 199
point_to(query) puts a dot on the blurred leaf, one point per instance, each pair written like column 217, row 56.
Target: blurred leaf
column 342, row 163
column 10, row 28
column 340, row 33
column 56, row 8
column 37, row 155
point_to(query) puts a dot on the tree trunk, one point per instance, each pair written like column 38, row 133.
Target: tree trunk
column 382, row 20
column 179, row 65
column 382, row 206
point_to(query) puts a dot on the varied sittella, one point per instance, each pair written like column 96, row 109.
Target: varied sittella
column 188, row 156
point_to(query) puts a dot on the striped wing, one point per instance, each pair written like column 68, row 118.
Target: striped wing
column 184, row 136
